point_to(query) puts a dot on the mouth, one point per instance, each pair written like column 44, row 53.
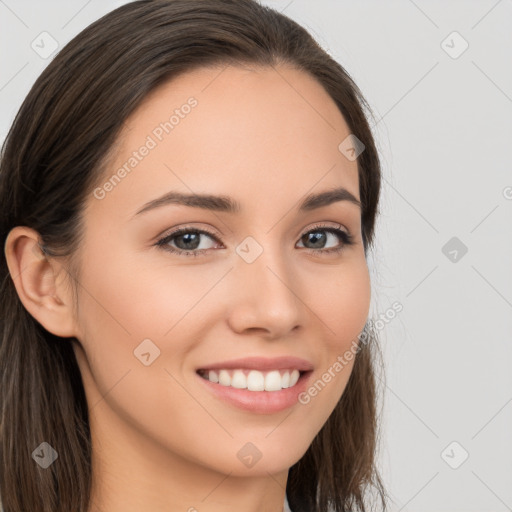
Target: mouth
column 254, row 380
column 257, row 384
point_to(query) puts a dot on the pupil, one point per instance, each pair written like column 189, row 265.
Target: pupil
column 317, row 237
column 187, row 237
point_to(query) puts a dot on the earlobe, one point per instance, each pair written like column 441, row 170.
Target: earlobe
column 41, row 282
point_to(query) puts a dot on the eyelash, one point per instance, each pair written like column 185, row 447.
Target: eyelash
column 347, row 239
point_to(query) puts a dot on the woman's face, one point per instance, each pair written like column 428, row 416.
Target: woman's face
column 250, row 287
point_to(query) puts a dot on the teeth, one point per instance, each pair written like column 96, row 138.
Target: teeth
column 285, row 382
column 254, row 380
column 224, row 378
column 238, row 380
column 273, row 381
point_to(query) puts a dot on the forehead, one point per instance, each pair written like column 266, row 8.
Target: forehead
column 254, row 133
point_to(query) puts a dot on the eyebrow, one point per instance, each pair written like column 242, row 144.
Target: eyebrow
column 229, row 205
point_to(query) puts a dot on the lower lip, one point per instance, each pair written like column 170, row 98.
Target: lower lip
column 262, row 402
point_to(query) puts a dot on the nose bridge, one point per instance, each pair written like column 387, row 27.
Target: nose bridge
column 265, row 297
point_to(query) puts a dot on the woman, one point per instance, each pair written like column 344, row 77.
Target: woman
column 190, row 191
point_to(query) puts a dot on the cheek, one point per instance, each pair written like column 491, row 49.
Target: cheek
column 133, row 299
column 126, row 301
column 345, row 305
column 345, row 302
column 120, row 305
column 126, row 304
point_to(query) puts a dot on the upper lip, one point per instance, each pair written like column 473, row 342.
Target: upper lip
column 262, row 363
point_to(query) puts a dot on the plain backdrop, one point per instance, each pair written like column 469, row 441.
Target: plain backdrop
column 438, row 77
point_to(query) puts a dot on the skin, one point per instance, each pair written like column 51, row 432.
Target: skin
column 266, row 137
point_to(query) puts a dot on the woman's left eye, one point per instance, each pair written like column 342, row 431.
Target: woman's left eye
column 187, row 240
column 316, row 236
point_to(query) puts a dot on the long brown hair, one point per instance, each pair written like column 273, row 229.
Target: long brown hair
column 53, row 157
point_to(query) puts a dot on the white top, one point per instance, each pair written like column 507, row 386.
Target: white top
column 286, row 507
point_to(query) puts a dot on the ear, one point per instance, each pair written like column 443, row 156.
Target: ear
column 42, row 283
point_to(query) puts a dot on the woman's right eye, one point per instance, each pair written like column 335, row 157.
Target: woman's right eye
column 187, row 237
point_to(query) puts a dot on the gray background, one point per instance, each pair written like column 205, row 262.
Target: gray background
column 443, row 122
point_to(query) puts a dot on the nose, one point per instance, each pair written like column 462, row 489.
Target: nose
column 264, row 297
